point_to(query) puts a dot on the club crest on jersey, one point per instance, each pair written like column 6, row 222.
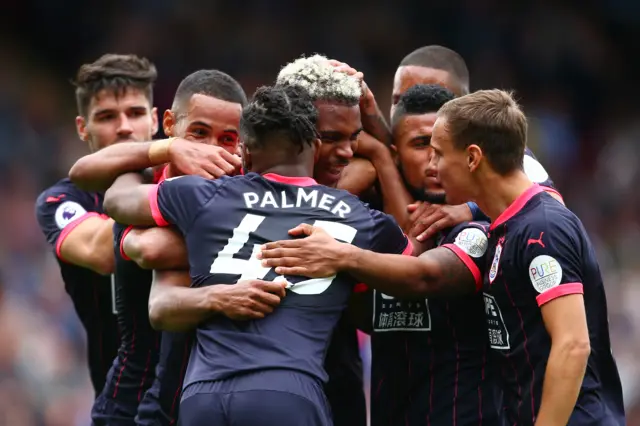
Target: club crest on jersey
column 67, row 212
column 495, row 263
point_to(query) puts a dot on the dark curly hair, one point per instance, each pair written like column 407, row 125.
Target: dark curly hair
column 276, row 113
column 115, row 73
column 421, row 99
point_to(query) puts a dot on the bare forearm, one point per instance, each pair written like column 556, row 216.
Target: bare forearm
column 437, row 273
column 97, row 171
column 562, row 380
column 373, row 120
column 127, row 201
column 173, row 308
column 395, row 196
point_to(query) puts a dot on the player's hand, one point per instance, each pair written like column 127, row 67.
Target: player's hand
column 317, row 256
column 349, row 70
column 248, row 299
column 208, row 161
column 428, row 219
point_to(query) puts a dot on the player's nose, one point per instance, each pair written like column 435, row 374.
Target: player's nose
column 344, row 151
column 125, row 126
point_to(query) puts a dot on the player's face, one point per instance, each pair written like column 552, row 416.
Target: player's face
column 113, row 118
column 451, row 164
column 411, row 75
column 339, row 126
column 207, row 120
column 412, row 139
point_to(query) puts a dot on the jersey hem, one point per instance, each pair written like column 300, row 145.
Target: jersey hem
column 468, row 262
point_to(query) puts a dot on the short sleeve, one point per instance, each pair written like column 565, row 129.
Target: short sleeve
column 60, row 209
column 119, row 234
column 387, row 236
column 551, row 259
column 178, row 200
column 469, row 242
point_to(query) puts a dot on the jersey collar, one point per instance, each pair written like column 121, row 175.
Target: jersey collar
column 290, row 180
column 517, row 205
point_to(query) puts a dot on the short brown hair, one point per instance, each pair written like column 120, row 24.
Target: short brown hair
column 116, row 73
column 493, row 120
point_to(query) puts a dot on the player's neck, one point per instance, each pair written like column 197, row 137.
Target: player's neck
column 289, row 170
column 497, row 192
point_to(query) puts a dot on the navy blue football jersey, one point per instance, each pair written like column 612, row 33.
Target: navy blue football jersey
column 536, row 171
column 59, row 209
column 133, row 369
column 538, row 251
column 160, row 404
column 429, row 356
column 225, row 222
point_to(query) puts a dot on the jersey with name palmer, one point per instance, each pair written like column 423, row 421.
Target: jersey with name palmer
column 429, row 356
column 133, row 369
column 539, row 251
column 225, row 222
column 59, row 209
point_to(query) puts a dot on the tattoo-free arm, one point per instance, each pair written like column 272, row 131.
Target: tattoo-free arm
column 174, row 306
column 435, row 273
column 127, row 201
column 566, row 322
column 97, row 171
column 156, row 248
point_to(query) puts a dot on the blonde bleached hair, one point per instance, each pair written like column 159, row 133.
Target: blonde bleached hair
column 319, row 79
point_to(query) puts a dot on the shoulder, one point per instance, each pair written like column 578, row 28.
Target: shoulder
column 61, row 190
column 548, row 214
column 65, row 199
column 470, row 237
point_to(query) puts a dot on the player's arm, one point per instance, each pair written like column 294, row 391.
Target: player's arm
column 553, row 264
column 155, row 248
column 175, row 306
column 129, row 201
column 440, row 272
column 358, row 177
column 78, row 235
column 395, row 196
column 99, row 170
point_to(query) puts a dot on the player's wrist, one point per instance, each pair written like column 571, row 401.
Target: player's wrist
column 159, row 151
column 349, row 258
column 213, row 297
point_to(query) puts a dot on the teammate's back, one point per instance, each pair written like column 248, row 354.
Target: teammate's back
column 226, row 222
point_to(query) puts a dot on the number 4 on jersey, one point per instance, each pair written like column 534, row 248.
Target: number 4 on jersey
column 226, row 263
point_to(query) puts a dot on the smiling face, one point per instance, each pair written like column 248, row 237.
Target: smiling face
column 339, row 127
column 113, row 117
column 207, row 120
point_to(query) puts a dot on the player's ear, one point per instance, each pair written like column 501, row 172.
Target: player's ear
column 317, row 143
column 154, row 121
column 168, row 123
column 81, row 128
column 474, row 155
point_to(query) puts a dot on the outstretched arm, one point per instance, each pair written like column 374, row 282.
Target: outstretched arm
column 438, row 272
column 97, row 171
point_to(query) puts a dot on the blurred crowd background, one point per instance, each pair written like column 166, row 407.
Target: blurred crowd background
column 571, row 65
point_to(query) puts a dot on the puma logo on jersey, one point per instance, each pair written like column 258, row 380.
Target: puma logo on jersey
column 538, row 241
column 52, row 199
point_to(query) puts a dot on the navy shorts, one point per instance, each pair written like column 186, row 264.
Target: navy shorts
column 267, row 398
column 112, row 412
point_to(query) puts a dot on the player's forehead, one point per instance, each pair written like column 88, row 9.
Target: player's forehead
column 439, row 135
column 411, row 75
column 412, row 126
column 214, row 112
column 118, row 100
column 338, row 118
